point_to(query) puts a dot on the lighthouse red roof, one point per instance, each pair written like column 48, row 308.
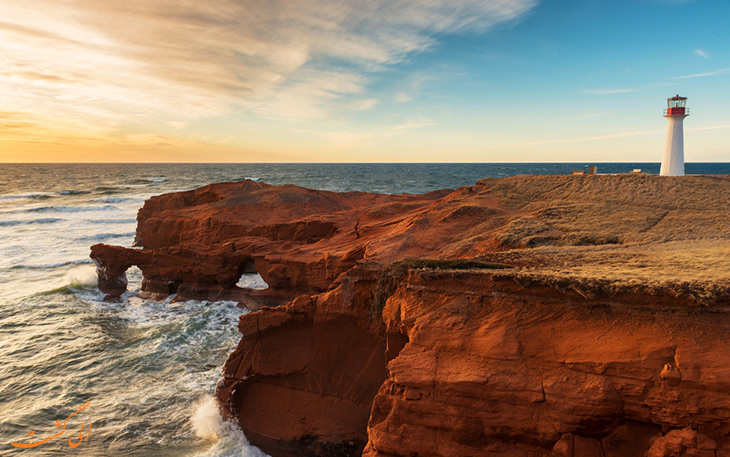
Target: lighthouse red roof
column 677, row 97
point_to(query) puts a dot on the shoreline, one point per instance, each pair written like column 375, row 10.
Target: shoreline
column 588, row 244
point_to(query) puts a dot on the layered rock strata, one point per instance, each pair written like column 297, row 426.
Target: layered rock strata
column 470, row 362
column 609, row 338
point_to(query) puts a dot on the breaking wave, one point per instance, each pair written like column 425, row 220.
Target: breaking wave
column 228, row 439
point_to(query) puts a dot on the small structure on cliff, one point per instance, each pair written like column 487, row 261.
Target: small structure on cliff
column 673, row 160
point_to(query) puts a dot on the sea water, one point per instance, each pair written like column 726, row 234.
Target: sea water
column 147, row 368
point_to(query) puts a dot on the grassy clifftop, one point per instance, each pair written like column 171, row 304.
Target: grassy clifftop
column 624, row 208
column 621, row 230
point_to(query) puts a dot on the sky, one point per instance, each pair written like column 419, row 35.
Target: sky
column 361, row 81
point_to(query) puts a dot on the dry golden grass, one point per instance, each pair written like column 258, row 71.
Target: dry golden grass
column 698, row 268
column 625, row 208
column 620, row 232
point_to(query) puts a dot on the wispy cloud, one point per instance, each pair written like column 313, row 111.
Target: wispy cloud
column 594, row 138
column 702, row 53
column 621, row 135
column 342, row 139
column 710, row 127
column 609, row 91
column 339, row 139
column 107, row 61
column 624, row 90
column 702, row 75
column 362, row 105
column 412, row 125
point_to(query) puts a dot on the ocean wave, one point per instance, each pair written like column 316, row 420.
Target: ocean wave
column 171, row 352
column 110, row 221
column 246, row 178
column 78, row 279
column 116, row 199
column 47, row 220
column 148, row 180
column 24, row 196
column 229, row 440
column 74, row 192
column 69, row 209
column 51, row 266
column 102, row 237
column 106, row 190
column 82, row 278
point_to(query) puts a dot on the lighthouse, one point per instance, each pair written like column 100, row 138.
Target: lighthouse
column 673, row 160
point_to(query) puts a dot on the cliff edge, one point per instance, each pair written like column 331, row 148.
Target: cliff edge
column 524, row 316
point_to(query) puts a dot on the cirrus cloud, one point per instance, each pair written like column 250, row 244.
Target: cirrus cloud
column 112, row 62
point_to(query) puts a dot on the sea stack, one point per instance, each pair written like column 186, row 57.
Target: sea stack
column 673, row 160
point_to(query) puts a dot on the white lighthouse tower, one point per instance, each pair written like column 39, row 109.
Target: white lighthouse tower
column 673, row 160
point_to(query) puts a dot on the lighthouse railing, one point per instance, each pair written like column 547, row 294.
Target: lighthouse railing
column 675, row 111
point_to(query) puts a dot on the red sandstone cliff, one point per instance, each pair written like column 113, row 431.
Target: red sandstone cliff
column 478, row 365
column 573, row 354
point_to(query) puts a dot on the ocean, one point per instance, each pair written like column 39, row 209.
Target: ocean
column 136, row 377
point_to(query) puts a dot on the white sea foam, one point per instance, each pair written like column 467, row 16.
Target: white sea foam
column 82, row 277
column 207, row 421
column 252, row 281
column 227, row 439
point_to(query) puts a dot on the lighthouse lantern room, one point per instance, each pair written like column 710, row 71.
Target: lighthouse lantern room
column 673, row 160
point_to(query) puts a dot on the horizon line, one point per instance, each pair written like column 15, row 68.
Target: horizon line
column 339, row 163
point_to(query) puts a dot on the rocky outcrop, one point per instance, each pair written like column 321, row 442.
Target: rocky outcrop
column 198, row 243
column 479, row 365
column 492, row 367
column 304, row 375
column 607, row 339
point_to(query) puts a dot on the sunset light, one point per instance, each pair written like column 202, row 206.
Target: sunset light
column 347, row 81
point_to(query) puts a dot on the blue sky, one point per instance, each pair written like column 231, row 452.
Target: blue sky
column 350, row 81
